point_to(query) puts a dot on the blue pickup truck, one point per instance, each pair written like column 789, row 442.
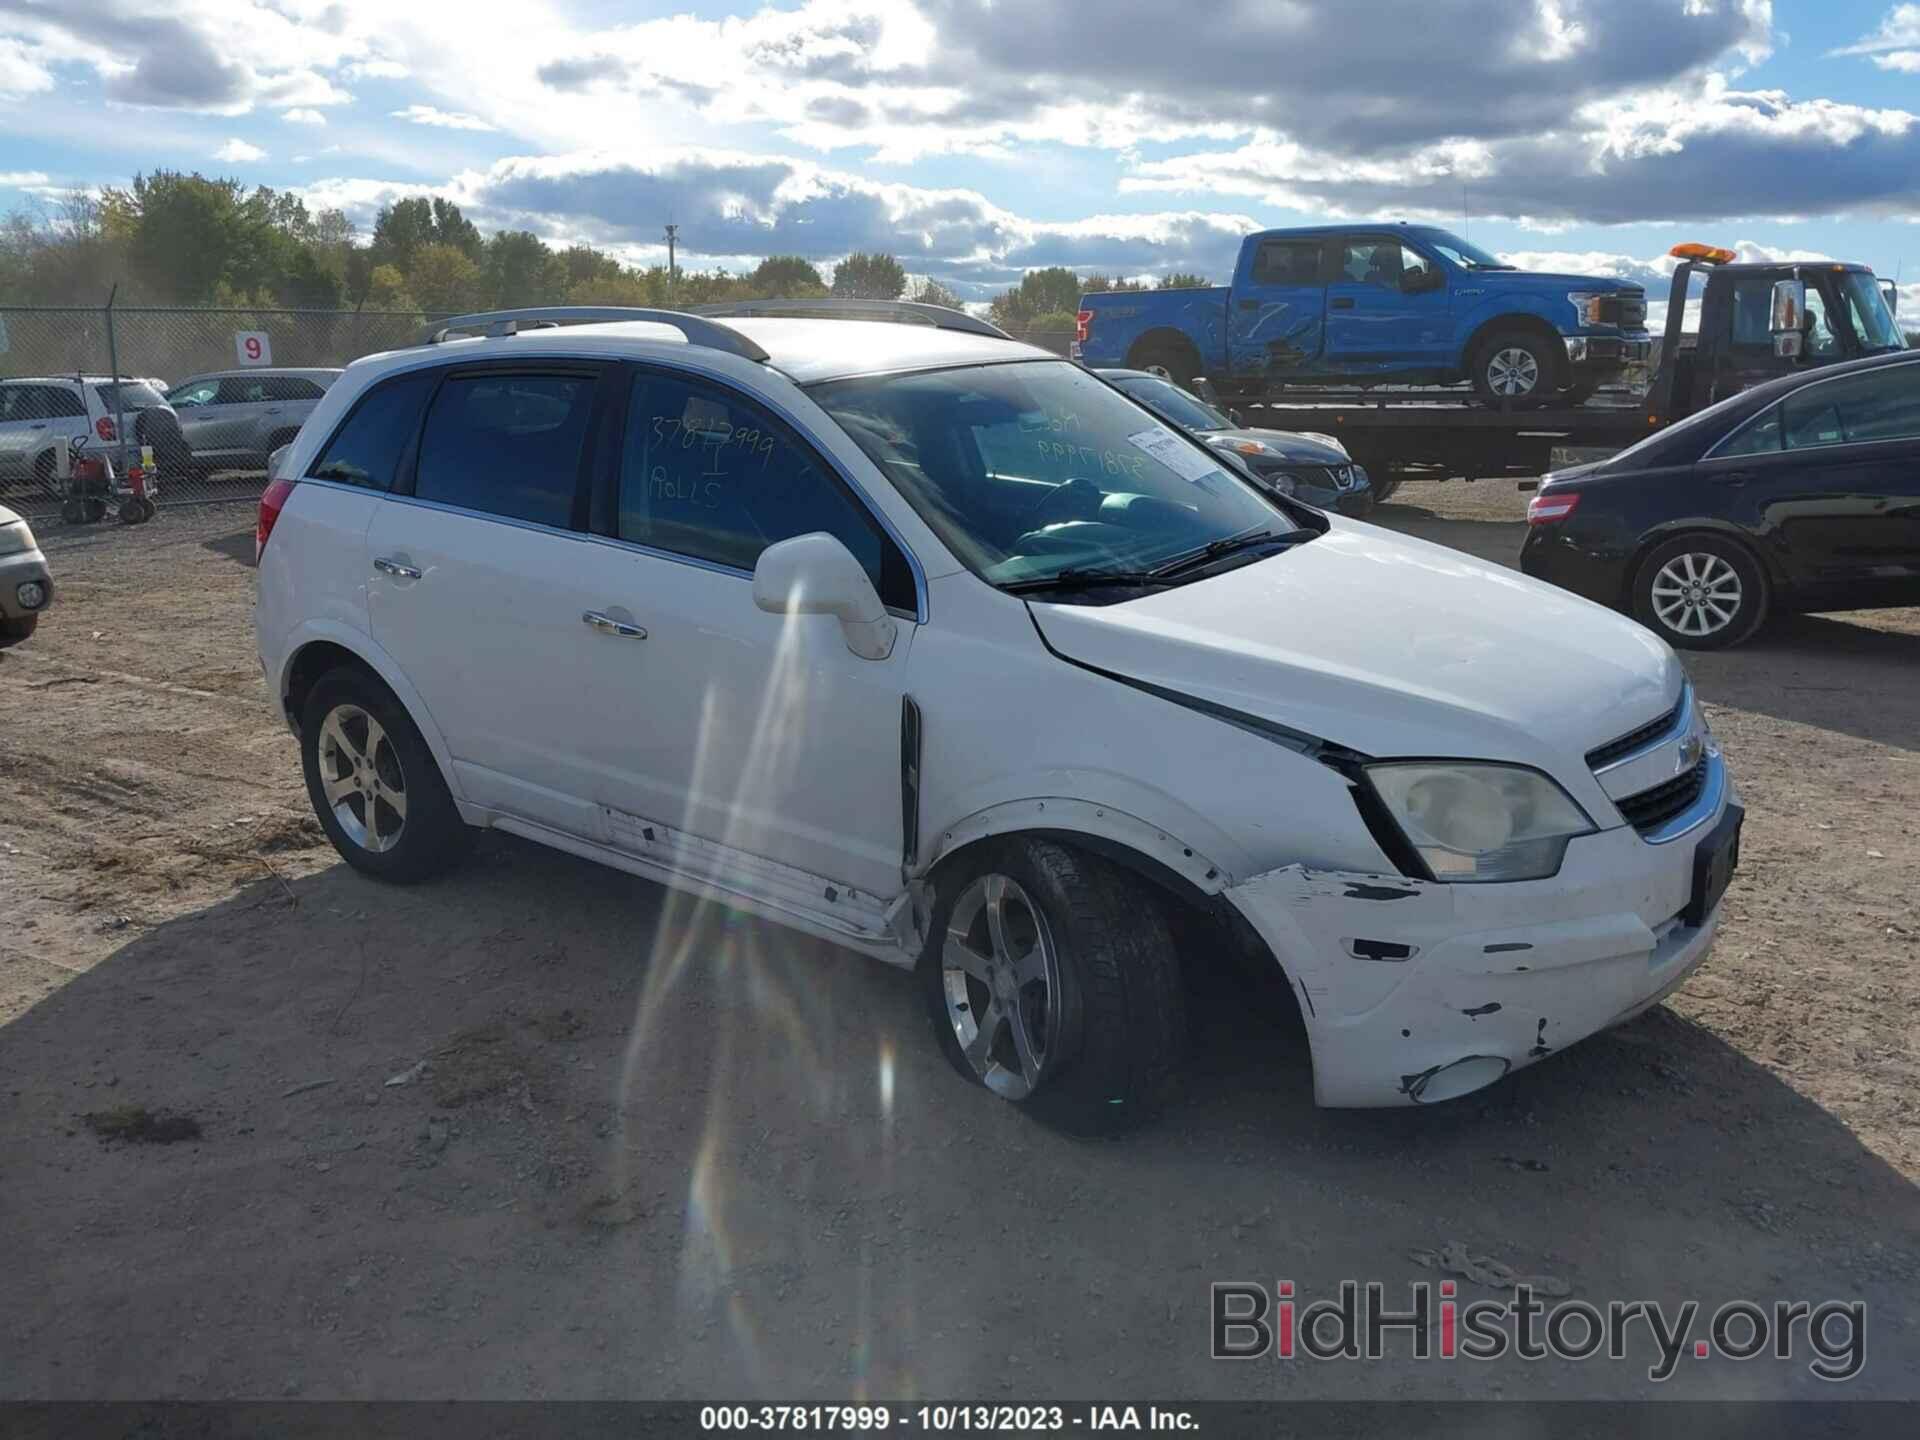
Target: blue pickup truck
column 1376, row 304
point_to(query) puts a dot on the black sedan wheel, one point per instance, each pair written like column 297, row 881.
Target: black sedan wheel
column 1700, row 592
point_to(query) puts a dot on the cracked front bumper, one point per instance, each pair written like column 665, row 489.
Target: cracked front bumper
column 1415, row 992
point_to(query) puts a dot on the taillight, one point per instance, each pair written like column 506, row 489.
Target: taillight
column 273, row 499
column 103, row 427
column 1548, row 506
column 1082, row 323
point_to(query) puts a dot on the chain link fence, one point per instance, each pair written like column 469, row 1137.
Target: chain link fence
column 183, row 406
column 187, row 403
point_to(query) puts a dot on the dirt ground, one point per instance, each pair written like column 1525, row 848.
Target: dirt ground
column 543, row 1130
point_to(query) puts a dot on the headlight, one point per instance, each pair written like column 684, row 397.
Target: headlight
column 1590, row 307
column 1480, row 822
column 15, row 537
column 1331, row 442
column 1248, row 447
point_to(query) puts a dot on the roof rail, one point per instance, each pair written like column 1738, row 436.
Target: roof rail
column 911, row 311
column 510, row 322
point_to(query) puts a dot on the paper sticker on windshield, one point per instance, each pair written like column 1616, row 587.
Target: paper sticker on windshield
column 1186, row 461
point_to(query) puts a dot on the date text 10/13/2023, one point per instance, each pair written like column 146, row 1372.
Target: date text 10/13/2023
column 943, row 1418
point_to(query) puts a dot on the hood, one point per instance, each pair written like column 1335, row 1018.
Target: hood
column 1553, row 280
column 1297, row 448
column 8, row 517
column 1393, row 647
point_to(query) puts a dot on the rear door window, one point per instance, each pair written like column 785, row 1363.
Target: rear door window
column 1287, row 262
column 370, row 444
column 200, row 392
column 1879, row 405
column 291, row 387
column 131, row 395
column 508, row 444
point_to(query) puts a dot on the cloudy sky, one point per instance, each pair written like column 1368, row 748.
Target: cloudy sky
column 976, row 138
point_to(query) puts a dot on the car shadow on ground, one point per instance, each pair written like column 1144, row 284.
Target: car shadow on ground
column 238, row 546
column 544, row 1129
column 1839, row 672
column 1495, row 540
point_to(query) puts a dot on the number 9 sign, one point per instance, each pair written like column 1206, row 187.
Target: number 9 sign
column 252, row 347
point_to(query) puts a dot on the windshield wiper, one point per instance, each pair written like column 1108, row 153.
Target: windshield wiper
column 1228, row 545
column 1075, row 577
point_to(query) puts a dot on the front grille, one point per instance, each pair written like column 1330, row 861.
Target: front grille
column 1627, row 309
column 1603, row 755
column 1651, row 809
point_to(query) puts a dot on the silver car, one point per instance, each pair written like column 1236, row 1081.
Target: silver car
column 234, row 419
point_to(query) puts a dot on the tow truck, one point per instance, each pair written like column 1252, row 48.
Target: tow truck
column 1756, row 321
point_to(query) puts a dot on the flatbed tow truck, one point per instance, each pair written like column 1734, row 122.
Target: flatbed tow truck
column 1757, row 321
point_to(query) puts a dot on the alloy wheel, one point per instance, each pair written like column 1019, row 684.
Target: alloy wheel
column 1001, row 976
column 1697, row 594
column 1513, row 372
column 361, row 777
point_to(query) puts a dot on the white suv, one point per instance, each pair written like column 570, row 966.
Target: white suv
column 38, row 415
column 937, row 646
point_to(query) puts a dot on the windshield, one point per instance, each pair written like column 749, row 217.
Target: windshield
column 1461, row 252
column 134, row 395
column 1867, row 307
column 1030, row 469
column 1171, row 403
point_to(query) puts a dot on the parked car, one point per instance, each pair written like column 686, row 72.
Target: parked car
column 1379, row 304
column 934, row 645
column 1316, row 468
column 40, row 414
column 26, row 589
column 1800, row 494
column 235, row 418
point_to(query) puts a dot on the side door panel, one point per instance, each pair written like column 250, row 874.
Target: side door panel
column 759, row 733
column 1377, row 316
column 1276, row 310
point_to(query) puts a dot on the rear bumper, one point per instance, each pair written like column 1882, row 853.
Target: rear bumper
column 1415, row 992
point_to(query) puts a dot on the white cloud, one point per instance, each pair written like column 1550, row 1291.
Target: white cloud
column 238, row 152
column 376, row 69
column 23, row 70
column 445, row 119
column 1905, row 61
column 1899, row 30
column 22, row 179
column 304, row 115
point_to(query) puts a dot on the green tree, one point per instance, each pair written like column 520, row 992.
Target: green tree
column 1054, row 290
column 1104, row 284
column 1053, row 322
column 1183, row 280
column 444, row 278
column 932, row 292
column 583, row 263
column 869, row 277
column 786, row 277
column 518, row 269
column 187, row 235
column 406, row 227
column 387, row 290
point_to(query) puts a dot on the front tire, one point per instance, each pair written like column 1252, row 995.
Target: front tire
column 1516, row 369
column 373, row 782
column 1701, row 592
column 1052, row 979
column 15, row 629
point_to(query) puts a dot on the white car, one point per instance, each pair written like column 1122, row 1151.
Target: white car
column 39, row 415
column 937, row 646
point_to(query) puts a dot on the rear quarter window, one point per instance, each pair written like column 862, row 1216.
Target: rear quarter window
column 507, row 444
column 377, row 434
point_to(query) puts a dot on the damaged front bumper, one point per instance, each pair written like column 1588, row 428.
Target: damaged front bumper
column 1414, row 992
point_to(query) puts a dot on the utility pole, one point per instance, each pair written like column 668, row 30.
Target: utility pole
column 673, row 275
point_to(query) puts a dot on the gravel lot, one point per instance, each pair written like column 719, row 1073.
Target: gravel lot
column 662, row 1150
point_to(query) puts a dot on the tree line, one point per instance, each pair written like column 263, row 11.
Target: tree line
column 171, row 238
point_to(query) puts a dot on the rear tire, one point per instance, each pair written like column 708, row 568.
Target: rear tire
column 1516, row 369
column 373, row 782
column 1701, row 592
column 1067, row 963
column 1178, row 358
column 13, row 631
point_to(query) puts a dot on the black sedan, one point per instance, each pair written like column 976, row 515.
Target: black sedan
column 1312, row 468
column 1801, row 494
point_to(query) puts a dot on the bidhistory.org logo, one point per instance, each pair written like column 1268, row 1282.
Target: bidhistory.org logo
column 1248, row 1323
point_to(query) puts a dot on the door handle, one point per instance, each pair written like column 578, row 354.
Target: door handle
column 1344, row 302
column 273, row 410
column 1733, row 477
column 607, row 625
column 396, row 569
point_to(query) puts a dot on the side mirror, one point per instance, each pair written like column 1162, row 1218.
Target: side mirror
column 1237, row 418
column 1418, row 282
column 817, row 575
column 1203, row 387
column 1789, row 307
column 1892, row 292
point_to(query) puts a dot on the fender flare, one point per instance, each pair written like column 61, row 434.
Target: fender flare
column 368, row 652
column 1112, row 828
